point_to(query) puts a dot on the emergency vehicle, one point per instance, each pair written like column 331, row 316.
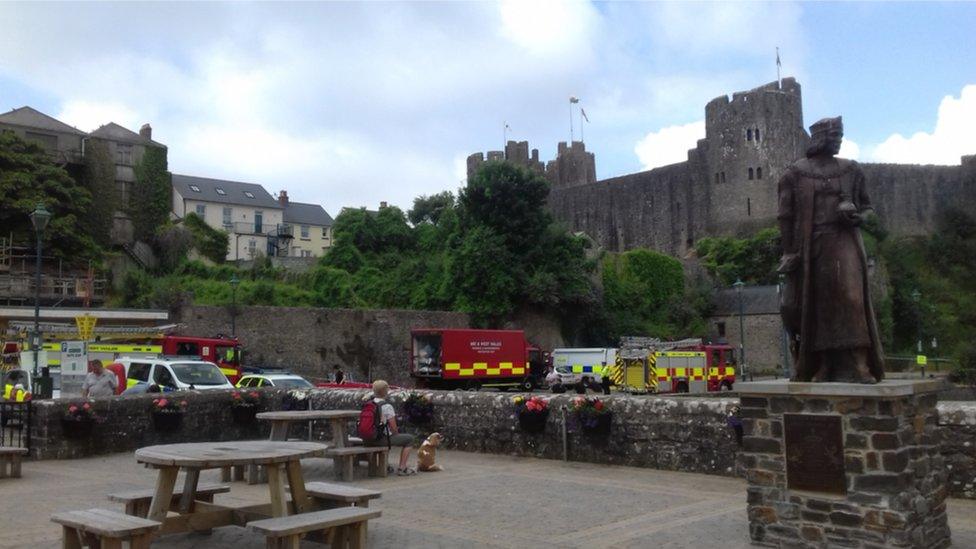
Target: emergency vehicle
column 178, row 373
column 686, row 366
column 579, row 368
column 222, row 351
column 471, row 359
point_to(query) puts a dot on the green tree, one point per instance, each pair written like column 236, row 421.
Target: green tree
column 211, row 243
column 428, row 209
column 753, row 260
column 510, row 200
column 152, row 194
column 641, row 288
column 27, row 177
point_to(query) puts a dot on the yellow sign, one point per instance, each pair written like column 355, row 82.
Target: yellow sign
column 86, row 326
column 921, row 360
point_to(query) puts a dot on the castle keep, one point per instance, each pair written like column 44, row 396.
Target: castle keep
column 727, row 186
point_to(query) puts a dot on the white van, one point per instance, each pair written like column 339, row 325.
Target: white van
column 179, row 374
column 579, row 368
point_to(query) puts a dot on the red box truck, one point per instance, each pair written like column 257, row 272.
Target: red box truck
column 471, row 359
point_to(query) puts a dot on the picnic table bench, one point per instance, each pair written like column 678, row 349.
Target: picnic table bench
column 344, row 527
column 105, row 529
column 137, row 501
column 10, row 461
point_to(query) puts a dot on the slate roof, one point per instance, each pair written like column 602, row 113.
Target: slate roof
column 301, row 213
column 114, row 132
column 756, row 300
column 233, row 191
column 31, row 118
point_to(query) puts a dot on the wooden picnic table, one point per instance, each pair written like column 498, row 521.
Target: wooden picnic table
column 281, row 459
column 337, row 420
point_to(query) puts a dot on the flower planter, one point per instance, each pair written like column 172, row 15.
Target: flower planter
column 533, row 422
column 596, row 425
column 167, row 421
column 244, row 415
column 77, row 428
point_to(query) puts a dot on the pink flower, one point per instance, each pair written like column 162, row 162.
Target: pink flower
column 183, row 403
column 162, row 402
column 72, row 408
column 236, row 396
column 86, row 406
column 254, row 394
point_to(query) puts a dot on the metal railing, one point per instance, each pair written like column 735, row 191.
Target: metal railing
column 15, row 424
column 21, row 286
column 264, row 229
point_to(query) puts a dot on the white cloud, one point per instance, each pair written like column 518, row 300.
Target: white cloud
column 547, row 27
column 89, row 115
column 669, row 145
column 849, row 149
column 946, row 144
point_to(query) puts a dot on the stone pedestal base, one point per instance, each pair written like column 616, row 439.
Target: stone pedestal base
column 843, row 465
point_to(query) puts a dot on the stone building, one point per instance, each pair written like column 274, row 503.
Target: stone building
column 765, row 344
column 63, row 143
column 727, row 185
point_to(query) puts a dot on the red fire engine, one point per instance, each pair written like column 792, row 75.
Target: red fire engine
column 471, row 359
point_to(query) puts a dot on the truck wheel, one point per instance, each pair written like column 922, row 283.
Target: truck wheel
column 581, row 388
column 527, row 384
column 558, row 389
column 726, row 386
column 682, row 387
column 473, row 386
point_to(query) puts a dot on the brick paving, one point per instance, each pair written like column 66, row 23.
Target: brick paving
column 479, row 501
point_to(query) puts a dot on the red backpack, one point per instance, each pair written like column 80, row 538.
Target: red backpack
column 370, row 425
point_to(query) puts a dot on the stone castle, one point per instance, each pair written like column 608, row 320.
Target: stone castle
column 728, row 184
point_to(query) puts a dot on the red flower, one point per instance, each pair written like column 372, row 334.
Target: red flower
column 161, row 402
column 254, row 394
column 86, row 406
column 598, row 405
column 72, row 408
column 236, row 396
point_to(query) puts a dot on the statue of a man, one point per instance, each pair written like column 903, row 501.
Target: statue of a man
column 826, row 305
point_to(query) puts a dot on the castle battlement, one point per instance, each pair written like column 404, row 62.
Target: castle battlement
column 572, row 165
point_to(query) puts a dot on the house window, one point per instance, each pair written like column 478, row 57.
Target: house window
column 228, row 215
column 325, row 232
column 220, row 191
column 758, row 173
column 750, row 174
column 123, row 188
column 123, row 154
column 249, row 194
column 258, row 221
column 202, row 210
column 252, row 247
column 306, row 253
column 48, row 141
column 749, row 134
column 720, row 328
column 305, row 231
column 194, row 188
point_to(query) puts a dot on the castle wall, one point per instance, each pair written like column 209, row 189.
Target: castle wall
column 909, row 199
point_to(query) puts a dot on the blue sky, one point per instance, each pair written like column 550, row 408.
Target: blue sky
column 351, row 104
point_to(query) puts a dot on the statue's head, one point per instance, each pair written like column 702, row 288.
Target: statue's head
column 826, row 136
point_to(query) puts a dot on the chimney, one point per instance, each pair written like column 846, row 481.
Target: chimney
column 283, row 198
column 146, row 131
column 382, row 205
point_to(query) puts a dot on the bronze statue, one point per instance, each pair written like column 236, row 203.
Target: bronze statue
column 825, row 303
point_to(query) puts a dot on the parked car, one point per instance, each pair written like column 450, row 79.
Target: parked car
column 281, row 380
column 174, row 373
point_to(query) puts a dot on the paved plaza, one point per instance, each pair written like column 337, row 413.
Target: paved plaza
column 479, row 501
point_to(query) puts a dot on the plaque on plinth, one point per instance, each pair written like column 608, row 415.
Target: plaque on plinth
column 843, row 464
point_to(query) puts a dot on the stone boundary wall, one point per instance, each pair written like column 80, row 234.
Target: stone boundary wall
column 671, row 433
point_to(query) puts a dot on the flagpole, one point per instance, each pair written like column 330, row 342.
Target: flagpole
column 779, row 81
column 581, row 126
column 504, row 135
column 571, row 122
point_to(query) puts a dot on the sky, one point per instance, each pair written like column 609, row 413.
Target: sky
column 351, row 104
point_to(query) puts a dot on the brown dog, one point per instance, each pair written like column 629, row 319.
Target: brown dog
column 426, row 454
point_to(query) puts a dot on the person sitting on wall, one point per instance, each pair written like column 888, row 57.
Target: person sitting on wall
column 390, row 435
column 338, row 376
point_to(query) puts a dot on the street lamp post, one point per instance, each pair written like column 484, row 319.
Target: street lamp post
column 742, row 331
column 917, row 299
column 39, row 219
column 234, row 282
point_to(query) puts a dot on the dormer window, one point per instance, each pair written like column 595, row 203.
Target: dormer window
column 249, row 194
column 194, row 188
column 220, row 191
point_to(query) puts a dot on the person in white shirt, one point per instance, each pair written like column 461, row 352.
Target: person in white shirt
column 391, row 433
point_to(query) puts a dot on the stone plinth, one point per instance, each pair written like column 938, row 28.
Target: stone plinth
column 844, row 465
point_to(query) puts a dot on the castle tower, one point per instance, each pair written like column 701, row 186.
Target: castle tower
column 749, row 142
column 516, row 152
column 572, row 166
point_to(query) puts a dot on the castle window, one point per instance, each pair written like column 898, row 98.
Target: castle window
column 749, row 134
column 751, row 174
column 720, row 328
column 749, row 207
column 723, row 177
column 758, row 173
column 757, row 134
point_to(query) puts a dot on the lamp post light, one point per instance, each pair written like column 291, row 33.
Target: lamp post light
column 742, row 331
column 234, row 282
column 39, row 218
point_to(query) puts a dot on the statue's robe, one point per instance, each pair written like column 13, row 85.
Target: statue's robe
column 826, row 300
